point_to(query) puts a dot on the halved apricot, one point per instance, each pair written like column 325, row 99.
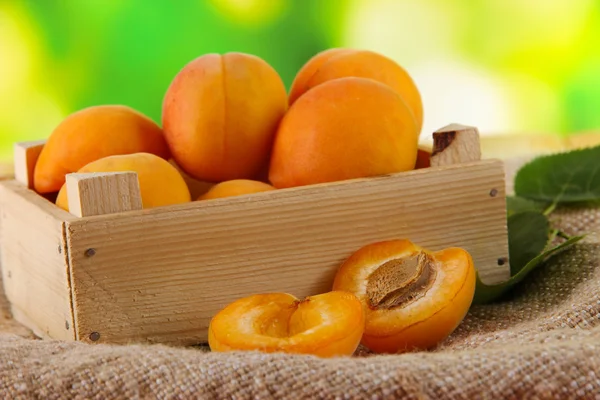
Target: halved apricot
column 326, row 325
column 412, row 298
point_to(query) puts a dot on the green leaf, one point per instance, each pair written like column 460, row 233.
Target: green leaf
column 527, row 237
column 568, row 177
column 516, row 204
column 488, row 293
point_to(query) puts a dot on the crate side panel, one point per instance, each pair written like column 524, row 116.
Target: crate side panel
column 35, row 272
column 160, row 276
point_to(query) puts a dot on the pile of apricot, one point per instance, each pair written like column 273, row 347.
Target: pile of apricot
column 228, row 121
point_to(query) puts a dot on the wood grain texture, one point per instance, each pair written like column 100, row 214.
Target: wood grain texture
column 159, row 275
column 454, row 144
column 35, row 273
column 102, row 193
column 26, row 155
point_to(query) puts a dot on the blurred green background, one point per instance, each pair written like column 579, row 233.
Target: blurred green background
column 506, row 66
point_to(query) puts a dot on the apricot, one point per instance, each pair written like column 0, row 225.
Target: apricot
column 93, row 133
column 340, row 62
column 412, row 298
column 160, row 182
column 342, row 129
column 220, row 115
column 423, row 159
column 326, row 325
column 235, row 187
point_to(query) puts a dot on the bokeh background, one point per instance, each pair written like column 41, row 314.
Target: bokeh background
column 505, row 66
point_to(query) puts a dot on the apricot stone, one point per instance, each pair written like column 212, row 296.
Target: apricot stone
column 236, row 187
column 161, row 184
column 343, row 129
column 220, row 115
column 340, row 62
column 93, row 133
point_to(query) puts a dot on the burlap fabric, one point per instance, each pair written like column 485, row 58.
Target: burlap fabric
column 543, row 342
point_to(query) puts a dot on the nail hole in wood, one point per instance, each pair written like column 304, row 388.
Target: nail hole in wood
column 94, row 336
column 59, row 249
column 90, row 252
column 502, row 261
column 494, row 192
column 67, row 325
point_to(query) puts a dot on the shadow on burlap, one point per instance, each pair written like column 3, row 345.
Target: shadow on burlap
column 543, row 341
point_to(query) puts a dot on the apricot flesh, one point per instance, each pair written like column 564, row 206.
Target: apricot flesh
column 343, row 129
column 160, row 182
column 220, row 114
column 416, row 320
column 93, row 133
column 341, row 62
column 326, row 325
column 236, row 187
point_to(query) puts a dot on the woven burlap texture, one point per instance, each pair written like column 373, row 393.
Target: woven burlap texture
column 542, row 342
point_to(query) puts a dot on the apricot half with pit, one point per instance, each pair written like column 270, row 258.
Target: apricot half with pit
column 412, row 298
column 326, row 325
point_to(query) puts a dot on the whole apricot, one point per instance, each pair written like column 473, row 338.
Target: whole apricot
column 412, row 298
column 343, row 129
column 160, row 182
column 423, row 159
column 220, row 115
column 93, row 133
column 326, row 325
column 340, row 62
column 235, row 187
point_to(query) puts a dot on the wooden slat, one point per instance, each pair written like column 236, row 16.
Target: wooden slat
column 35, row 273
column 103, row 193
column 26, row 155
column 159, row 275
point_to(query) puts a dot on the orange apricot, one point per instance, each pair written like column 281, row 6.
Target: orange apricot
column 340, row 62
column 235, row 187
column 93, row 133
column 423, row 159
column 412, row 298
column 220, row 115
column 342, row 129
column 326, row 325
column 160, row 182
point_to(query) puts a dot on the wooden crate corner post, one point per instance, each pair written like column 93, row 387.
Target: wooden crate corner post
column 99, row 193
column 26, row 155
column 460, row 144
column 33, row 252
column 455, row 144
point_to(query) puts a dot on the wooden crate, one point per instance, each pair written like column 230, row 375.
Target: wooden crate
column 159, row 275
